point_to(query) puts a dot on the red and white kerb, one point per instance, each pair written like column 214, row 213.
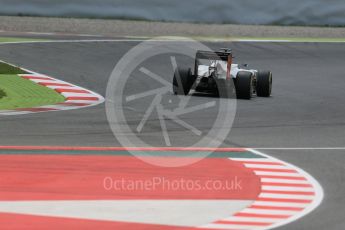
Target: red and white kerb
column 75, row 97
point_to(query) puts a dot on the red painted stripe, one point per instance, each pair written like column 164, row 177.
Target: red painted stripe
column 64, row 90
column 91, row 148
column 81, row 177
column 284, row 200
column 53, row 84
column 73, row 104
column 273, row 170
column 264, row 207
column 283, row 177
column 289, row 192
column 36, row 109
column 253, row 215
column 287, row 185
column 82, row 98
column 37, row 78
column 251, row 223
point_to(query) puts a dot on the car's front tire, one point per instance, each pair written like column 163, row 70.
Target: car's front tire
column 183, row 81
column 264, row 83
column 244, row 85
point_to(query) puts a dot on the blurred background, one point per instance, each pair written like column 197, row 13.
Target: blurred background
column 268, row 12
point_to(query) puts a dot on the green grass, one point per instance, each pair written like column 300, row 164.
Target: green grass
column 2, row 94
column 8, row 69
column 13, row 39
column 18, row 93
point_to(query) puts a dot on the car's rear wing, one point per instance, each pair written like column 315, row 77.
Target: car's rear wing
column 224, row 55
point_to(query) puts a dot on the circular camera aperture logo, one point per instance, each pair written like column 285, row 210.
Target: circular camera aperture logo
column 143, row 111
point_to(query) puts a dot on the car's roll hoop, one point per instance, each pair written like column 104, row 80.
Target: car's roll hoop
column 225, row 54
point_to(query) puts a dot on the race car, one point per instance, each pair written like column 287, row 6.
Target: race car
column 215, row 73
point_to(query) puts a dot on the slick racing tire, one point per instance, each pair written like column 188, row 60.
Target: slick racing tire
column 244, row 85
column 183, row 81
column 264, row 84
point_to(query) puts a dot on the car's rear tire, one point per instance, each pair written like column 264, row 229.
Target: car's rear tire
column 264, row 84
column 244, row 85
column 183, row 81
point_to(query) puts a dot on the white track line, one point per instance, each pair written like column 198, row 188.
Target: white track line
column 60, row 34
column 300, row 148
column 91, row 41
column 162, row 40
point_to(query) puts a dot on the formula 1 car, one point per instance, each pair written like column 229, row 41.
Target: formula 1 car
column 215, row 73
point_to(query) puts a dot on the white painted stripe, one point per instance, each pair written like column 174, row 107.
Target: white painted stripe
column 252, row 219
column 261, row 40
column 31, row 74
column 76, row 88
column 261, row 166
column 57, row 81
column 167, row 40
column 269, row 211
column 40, row 33
column 271, row 180
column 86, row 35
column 61, row 107
column 252, row 159
column 281, row 204
column 57, row 87
column 14, row 112
column 266, row 173
column 89, row 41
column 63, row 34
column 46, row 81
column 6, row 111
column 82, row 101
column 288, row 188
column 229, row 226
column 286, row 196
column 302, row 148
column 38, row 80
column 77, row 95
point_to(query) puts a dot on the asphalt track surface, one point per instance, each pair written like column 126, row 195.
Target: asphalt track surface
column 306, row 109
